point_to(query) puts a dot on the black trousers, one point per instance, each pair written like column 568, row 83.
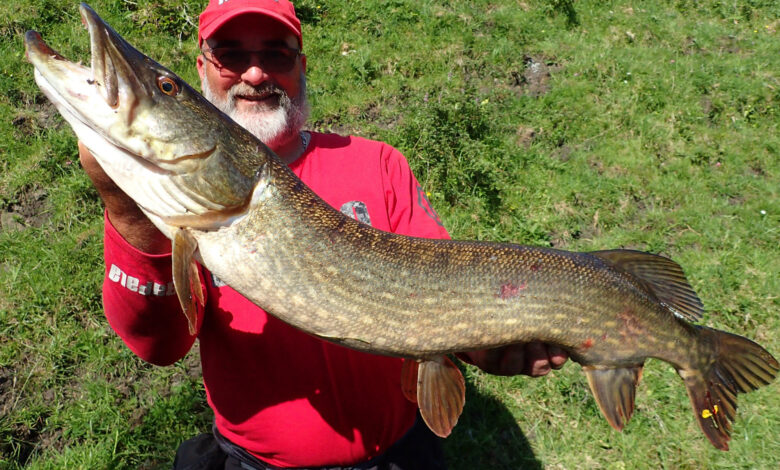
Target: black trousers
column 418, row 449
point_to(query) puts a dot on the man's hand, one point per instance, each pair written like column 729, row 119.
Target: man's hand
column 123, row 212
column 535, row 359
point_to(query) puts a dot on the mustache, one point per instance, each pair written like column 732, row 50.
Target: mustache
column 264, row 89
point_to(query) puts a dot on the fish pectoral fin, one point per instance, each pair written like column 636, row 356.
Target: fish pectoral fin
column 186, row 279
column 441, row 394
column 661, row 276
column 409, row 379
column 209, row 220
column 614, row 390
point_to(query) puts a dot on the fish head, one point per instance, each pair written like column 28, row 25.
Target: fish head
column 161, row 141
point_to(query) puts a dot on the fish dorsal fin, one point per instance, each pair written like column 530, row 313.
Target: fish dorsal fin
column 614, row 390
column 661, row 276
column 441, row 394
column 186, row 279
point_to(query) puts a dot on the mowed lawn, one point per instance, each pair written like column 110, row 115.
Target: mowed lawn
column 580, row 125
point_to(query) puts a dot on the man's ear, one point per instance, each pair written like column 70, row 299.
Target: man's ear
column 303, row 62
column 200, row 63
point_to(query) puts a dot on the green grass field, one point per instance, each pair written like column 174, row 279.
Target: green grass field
column 580, row 125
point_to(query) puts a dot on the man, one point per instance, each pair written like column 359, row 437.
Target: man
column 281, row 398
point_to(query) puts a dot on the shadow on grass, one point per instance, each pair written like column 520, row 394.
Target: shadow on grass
column 487, row 436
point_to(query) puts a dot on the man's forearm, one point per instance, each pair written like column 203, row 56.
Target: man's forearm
column 138, row 231
column 123, row 212
column 140, row 302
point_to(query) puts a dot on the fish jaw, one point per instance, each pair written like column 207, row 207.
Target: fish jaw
column 161, row 150
column 105, row 99
column 71, row 88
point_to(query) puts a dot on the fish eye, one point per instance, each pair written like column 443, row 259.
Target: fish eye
column 168, row 86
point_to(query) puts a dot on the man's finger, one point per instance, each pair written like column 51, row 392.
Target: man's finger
column 557, row 356
column 537, row 360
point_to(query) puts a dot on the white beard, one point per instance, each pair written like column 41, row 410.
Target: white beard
column 272, row 126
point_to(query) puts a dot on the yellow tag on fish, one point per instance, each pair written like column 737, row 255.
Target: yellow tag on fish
column 708, row 414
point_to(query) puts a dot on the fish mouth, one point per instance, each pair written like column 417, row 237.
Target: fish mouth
column 111, row 74
column 100, row 103
column 114, row 62
column 102, row 99
column 115, row 109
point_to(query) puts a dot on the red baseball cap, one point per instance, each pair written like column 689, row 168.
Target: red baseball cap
column 219, row 12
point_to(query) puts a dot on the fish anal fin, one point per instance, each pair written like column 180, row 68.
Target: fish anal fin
column 409, row 379
column 661, row 276
column 441, row 394
column 186, row 279
column 614, row 390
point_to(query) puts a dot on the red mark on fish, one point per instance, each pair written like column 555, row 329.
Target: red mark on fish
column 587, row 344
column 631, row 327
column 509, row 290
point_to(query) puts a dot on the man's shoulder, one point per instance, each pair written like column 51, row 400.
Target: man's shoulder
column 351, row 149
column 339, row 142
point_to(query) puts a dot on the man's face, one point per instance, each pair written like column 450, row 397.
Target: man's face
column 269, row 103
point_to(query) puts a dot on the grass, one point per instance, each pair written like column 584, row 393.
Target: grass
column 581, row 125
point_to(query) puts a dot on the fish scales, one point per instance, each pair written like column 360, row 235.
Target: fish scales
column 225, row 199
column 398, row 282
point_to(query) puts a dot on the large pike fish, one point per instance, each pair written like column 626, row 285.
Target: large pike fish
column 227, row 201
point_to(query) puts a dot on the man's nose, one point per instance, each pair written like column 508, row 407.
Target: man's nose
column 254, row 73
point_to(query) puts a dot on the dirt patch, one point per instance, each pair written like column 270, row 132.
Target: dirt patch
column 24, row 439
column 6, row 382
column 28, row 208
column 19, row 442
column 534, row 79
column 729, row 44
column 525, row 136
column 724, row 44
column 563, row 153
column 35, row 118
column 757, row 169
column 333, row 124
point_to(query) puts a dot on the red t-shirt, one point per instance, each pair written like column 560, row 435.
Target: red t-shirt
column 289, row 398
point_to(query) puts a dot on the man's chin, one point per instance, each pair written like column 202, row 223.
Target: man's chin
column 268, row 126
column 258, row 109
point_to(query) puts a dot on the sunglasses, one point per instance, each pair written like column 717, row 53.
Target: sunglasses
column 236, row 60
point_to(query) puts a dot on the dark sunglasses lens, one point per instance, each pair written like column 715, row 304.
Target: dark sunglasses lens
column 231, row 59
column 273, row 60
column 280, row 60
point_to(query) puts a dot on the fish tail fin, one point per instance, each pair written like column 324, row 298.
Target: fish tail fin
column 738, row 366
column 614, row 389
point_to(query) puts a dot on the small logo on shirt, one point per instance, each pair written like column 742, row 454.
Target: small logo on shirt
column 357, row 210
column 133, row 284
